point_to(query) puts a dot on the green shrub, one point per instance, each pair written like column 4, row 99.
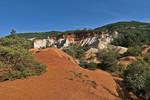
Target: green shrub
column 87, row 76
column 132, row 38
column 133, row 51
column 76, row 52
column 83, row 64
column 16, row 60
column 108, row 60
column 147, row 58
column 136, row 77
column 13, row 40
column 120, row 69
column 14, row 75
column 92, row 66
column 70, row 52
column 94, row 83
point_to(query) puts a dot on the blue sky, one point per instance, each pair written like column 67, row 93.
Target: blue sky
column 61, row 15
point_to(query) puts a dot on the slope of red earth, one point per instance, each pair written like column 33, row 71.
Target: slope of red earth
column 64, row 80
column 127, row 60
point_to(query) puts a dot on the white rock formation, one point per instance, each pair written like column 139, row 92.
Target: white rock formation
column 85, row 41
column 40, row 43
column 50, row 41
column 90, row 52
column 31, row 39
column 60, row 42
column 120, row 50
column 91, row 55
column 116, row 34
column 100, row 42
column 65, row 43
column 94, row 42
column 102, row 45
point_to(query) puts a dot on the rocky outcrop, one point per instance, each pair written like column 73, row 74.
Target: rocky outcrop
column 99, row 40
column 102, row 45
column 62, row 41
column 90, row 52
column 127, row 60
column 120, row 50
column 39, row 43
column 50, row 42
column 91, row 55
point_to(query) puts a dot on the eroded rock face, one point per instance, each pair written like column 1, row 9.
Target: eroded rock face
column 40, row 43
column 90, row 52
column 102, row 45
column 66, row 40
column 98, row 40
column 50, row 42
column 120, row 50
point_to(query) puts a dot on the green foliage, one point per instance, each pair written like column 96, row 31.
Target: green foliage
column 90, row 66
column 78, row 31
column 136, row 77
column 68, row 58
column 70, row 52
column 147, row 58
column 13, row 31
column 133, row 51
column 14, row 75
column 15, row 41
column 83, row 64
column 76, row 52
column 41, row 35
column 134, row 33
column 133, row 25
column 120, row 69
column 16, row 61
column 132, row 38
column 108, row 60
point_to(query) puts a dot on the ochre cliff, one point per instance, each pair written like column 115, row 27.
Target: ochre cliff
column 61, row 82
column 99, row 40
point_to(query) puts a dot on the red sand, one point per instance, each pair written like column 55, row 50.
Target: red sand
column 55, row 83
column 127, row 60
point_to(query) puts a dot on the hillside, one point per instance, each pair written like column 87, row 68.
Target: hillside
column 39, row 34
column 121, row 49
column 16, row 61
column 64, row 80
column 121, row 26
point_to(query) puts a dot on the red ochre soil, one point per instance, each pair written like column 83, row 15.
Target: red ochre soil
column 59, row 82
column 127, row 60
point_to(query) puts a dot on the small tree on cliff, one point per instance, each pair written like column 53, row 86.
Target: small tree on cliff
column 85, row 30
column 13, row 32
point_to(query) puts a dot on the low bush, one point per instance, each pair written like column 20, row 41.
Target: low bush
column 133, row 51
column 76, row 52
column 108, row 60
column 137, row 78
column 120, row 69
column 83, row 64
column 90, row 66
column 16, row 61
column 147, row 58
